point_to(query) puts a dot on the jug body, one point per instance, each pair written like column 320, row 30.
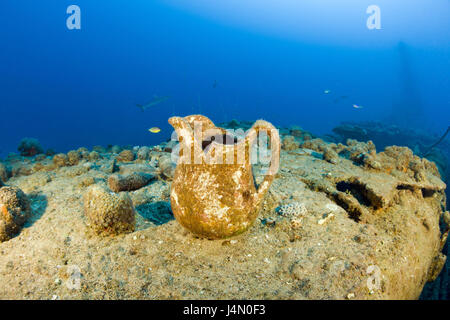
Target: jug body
column 213, row 193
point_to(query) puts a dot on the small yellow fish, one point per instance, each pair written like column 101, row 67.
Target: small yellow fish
column 327, row 91
column 154, row 130
column 357, row 107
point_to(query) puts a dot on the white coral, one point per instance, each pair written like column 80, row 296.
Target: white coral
column 294, row 209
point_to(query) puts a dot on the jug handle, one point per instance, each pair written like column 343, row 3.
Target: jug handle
column 275, row 156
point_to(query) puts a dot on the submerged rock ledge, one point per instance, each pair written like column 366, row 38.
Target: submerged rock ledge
column 353, row 224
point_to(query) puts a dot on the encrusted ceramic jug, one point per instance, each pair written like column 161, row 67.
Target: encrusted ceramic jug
column 213, row 192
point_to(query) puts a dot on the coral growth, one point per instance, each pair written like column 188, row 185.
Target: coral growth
column 289, row 143
column 108, row 213
column 29, row 147
column 125, row 156
column 93, row 156
column 314, row 144
column 116, row 149
column 330, row 155
column 166, row 167
column 14, row 211
column 60, row 160
column 99, row 149
column 73, row 157
column 143, row 153
column 296, row 131
column 294, row 209
column 3, row 173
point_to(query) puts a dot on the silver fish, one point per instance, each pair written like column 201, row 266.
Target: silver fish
column 156, row 100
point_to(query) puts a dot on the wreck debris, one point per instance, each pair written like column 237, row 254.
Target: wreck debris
column 129, row 182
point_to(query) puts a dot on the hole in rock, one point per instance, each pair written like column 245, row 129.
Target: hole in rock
column 404, row 187
column 353, row 213
column 356, row 190
column 427, row 193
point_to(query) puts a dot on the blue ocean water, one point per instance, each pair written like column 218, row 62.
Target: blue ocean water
column 222, row 58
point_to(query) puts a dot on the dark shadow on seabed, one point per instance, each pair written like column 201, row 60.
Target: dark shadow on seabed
column 149, row 213
column 38, row 205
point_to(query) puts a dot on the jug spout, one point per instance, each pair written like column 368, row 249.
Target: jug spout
column 188, row 145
